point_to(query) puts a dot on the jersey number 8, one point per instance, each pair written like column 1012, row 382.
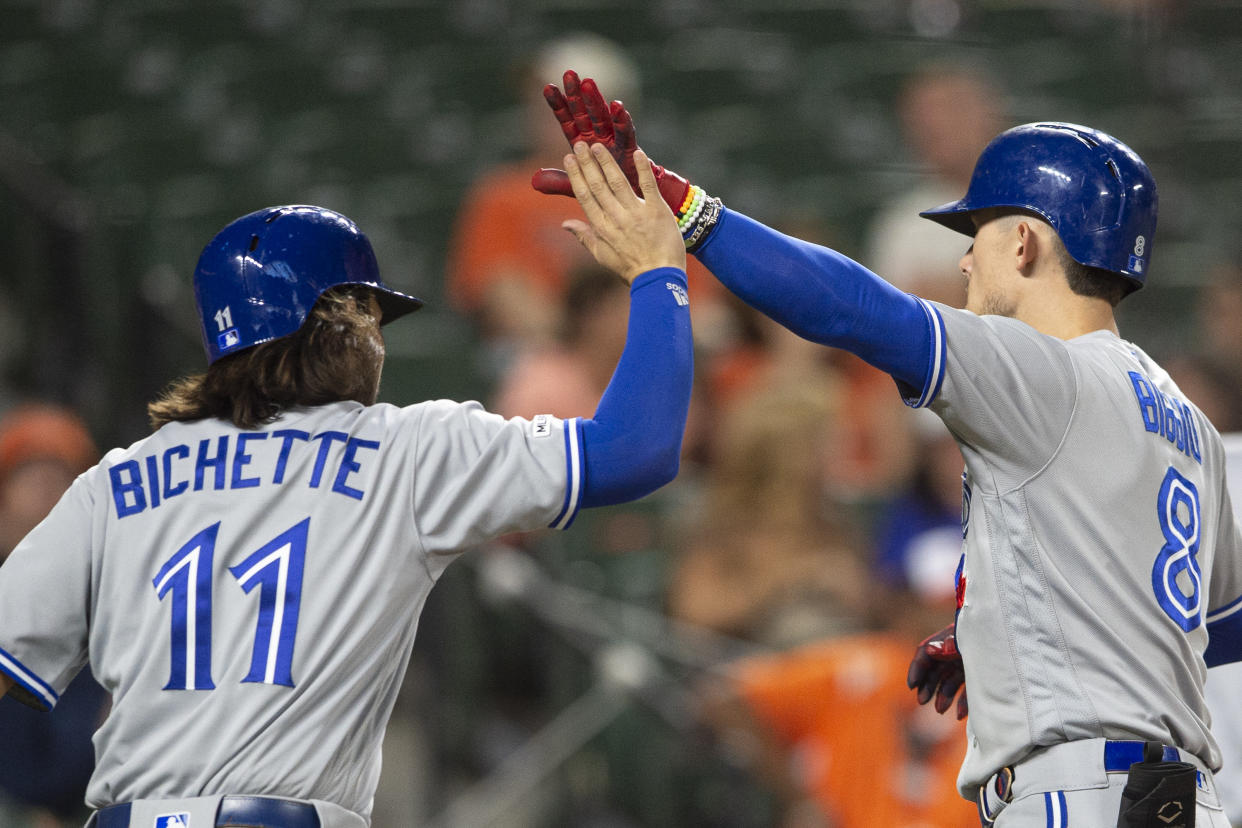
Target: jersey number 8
column 1178, row 508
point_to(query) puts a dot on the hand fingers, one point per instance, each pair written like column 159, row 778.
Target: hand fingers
column 597, row 110
column 560, row 108
column 919, row 667
column 624, row 141
column 552, row 182
column 577, row 108
column 963, row 709
column 580, row 231
column 928, row 682
column 616, row 179
column 949, row 686
column 588, row 238
column 623, row 127
column 932, row 680
column 588, row 183
column 609, row 190
column 646, row 177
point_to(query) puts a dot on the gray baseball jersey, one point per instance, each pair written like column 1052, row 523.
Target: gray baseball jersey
column 1099, row 538
column 250, row 598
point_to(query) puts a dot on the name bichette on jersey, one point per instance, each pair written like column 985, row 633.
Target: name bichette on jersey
column 1167, row 416
column 141, row 484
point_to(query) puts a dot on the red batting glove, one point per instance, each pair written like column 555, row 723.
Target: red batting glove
column 584, row 116
column 936, row 671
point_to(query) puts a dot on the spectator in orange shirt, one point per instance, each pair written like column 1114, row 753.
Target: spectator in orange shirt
column 832, row 727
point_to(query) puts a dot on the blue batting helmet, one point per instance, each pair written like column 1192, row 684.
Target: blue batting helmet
column 258, row 279
column 1094, row 190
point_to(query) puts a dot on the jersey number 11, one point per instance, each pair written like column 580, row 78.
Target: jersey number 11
column 276, row 568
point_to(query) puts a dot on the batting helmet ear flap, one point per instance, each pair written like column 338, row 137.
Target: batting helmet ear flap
column 1094, row 190
column 258, row 279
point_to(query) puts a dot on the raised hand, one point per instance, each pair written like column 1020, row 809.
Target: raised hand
column 936, row 671
column 625, row 233
column 584, row 116
column 582, row 113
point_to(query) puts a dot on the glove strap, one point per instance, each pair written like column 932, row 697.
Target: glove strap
column 696, row 216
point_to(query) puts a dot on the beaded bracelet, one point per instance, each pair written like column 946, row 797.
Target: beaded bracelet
column 705, row 217
column 690, row 207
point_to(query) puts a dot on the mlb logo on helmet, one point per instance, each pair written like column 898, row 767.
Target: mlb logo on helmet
column 229, row 338
column 181, row 820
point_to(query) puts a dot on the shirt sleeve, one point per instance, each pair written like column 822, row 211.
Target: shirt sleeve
column 823, row 296
column 1007, row 391
column 479, row 475
column 45, row 590
column 632, row 444
column 1224, row 614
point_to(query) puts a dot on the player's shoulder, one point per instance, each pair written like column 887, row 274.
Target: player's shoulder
column 429, row 416
column 440, row 418
column 960, row 322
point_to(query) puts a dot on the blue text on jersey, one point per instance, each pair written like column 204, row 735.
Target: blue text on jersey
column 1167, row 416
column 225, row 463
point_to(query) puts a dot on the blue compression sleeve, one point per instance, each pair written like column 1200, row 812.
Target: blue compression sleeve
column 1224, row 635
column 821, row 295
column 632, row 445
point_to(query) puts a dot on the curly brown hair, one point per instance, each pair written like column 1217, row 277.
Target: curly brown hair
column 336, row 355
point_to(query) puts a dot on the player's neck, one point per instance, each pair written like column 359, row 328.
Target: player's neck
column 1067, row 316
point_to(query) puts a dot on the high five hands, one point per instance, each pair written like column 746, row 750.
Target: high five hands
column 584, row 116
column 625, row 233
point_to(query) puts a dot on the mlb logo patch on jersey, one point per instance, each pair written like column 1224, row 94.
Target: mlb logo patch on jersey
column 172, row 821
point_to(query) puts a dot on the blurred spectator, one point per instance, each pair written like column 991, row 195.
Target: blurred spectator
column 948, row 113
column 919, row 535
column 873, row 442
column 1209, row 373
column 42, row 449
column 832, row 727
column 768, row 560
column 876, row 448
column 565, row 378
column 48, row 757
column 1218, row 314
column 509, row 260
column 873, row 451
column 760, row 354
column 1212, row 384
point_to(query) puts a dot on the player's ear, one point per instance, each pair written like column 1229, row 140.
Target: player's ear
column 1026, row 245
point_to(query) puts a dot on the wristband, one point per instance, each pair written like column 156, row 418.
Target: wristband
column 705, row 217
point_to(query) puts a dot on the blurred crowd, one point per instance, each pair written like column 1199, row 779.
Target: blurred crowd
column 730, row 651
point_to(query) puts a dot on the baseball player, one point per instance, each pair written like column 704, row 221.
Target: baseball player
column 1102, row 568
column 247, row 581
